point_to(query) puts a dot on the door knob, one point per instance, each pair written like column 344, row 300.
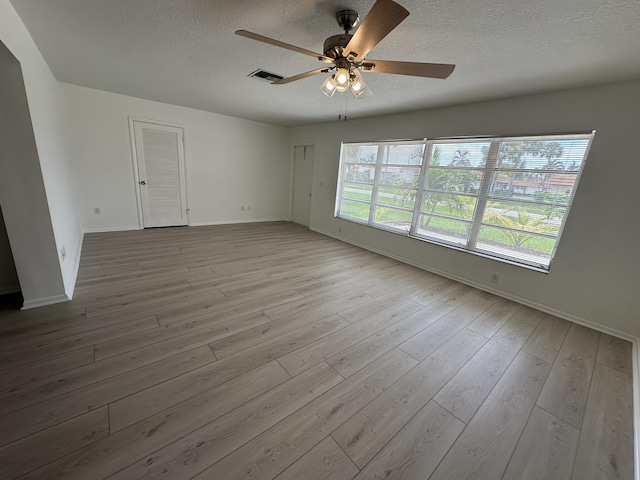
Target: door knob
column 142, row 182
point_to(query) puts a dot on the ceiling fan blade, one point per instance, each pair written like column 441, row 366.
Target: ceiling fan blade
column 431, row 70
column 384, row 16
column 301, row 76
column 277, row 43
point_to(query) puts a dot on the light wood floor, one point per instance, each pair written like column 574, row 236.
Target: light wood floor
column 267, row 351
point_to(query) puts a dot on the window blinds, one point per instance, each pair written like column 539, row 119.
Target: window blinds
column 506, row 197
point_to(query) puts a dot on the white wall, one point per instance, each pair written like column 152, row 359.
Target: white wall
column 22, row 191
column 595, row 276
column 8, row 275
column 80, row 158
column 230, row 162
column 50, row 278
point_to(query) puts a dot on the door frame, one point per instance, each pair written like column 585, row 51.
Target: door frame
column 292, row 178
column 134, row 163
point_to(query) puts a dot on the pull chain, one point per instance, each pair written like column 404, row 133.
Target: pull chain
column 346, row 107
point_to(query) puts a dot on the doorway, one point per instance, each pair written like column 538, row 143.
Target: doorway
column 302, row 184
column 160, row 170
column 9, row 282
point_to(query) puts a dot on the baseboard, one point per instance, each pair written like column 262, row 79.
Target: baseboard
column 192, row 224
column 233, row 222
column 110, row 229
column 479, row 286
column 7, row 289
column 41, row 302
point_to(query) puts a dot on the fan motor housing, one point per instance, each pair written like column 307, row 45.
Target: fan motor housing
column 334, row 46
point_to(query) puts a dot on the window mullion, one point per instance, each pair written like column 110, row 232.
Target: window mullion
column 376, row 184
column 426, row 157
column 483, row 194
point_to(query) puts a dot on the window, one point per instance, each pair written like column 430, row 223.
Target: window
column 358, row 167
column 503, row 197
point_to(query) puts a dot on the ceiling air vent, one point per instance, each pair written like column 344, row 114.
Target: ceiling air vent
column 266, row 76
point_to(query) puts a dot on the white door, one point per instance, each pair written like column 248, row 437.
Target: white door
column 161, row 174
column 302, row 183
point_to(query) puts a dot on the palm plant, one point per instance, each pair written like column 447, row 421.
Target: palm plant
column 510, row 157
column 461, row 158
column 552, row 151
column 519, row 227
column 442, row 186
column 405, row 196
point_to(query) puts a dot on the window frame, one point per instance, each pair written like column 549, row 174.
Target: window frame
column 378, row 165
column 490, row 170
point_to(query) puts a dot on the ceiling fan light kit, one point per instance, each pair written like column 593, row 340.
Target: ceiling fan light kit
column 328, row 87
column 359, row 87
column 347, row 52
column 341, row 81
column 341, row 78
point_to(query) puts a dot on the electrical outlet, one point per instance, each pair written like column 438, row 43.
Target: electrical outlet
column 63, row 253
column 339, row 229
column 96, row 210
column 249, row 208
column 495, row 278
column 242, row 208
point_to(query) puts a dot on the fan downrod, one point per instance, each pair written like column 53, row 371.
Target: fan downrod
column 334, row 45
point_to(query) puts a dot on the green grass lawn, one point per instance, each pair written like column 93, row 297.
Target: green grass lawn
column 355, row 210
column 458, row 229
column 532, row 243
column 365, row 194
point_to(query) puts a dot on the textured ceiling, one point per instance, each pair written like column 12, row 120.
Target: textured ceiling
column 185, row 52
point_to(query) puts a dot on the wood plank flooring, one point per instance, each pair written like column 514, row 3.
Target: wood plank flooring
column 266, row 351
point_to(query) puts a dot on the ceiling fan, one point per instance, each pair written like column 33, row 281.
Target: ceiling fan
column 346, row 53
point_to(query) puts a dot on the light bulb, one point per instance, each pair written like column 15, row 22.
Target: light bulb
column 339, row 86
column 359, row 86
column 342, row 77
column 328, row 87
